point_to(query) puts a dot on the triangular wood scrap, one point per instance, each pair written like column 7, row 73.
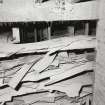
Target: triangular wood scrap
column 46, row 61
column 21, row 73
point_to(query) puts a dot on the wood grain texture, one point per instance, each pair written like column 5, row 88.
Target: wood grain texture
column 64, row 43
column 71, row 72
column 44, row 62
column 20, row 74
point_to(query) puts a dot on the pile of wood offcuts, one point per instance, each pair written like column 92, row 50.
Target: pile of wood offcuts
column 54, row 72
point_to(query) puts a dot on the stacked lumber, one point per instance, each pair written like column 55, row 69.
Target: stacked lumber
column 54, row 74
column 62, row 44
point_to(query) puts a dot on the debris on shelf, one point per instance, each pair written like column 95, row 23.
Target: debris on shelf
column 54, row 72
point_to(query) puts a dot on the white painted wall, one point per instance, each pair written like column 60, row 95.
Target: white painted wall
column 27, row 10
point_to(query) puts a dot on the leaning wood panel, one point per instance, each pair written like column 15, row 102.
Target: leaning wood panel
column 21, row 73
column 99, row 87
column 79, row 69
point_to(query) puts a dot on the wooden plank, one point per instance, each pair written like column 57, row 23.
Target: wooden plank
column 63, row 68
column 20, row 74
column 16, row 35
column 44, row 63
column 80, row 44
column 42, row 103
column 31, row 98
column 60, row 43
column 49, row 32
column 71, row 91
column 16, row 62
column 71, row 30
column 35, row 77
column 7, row 93
column 70, row 86
column 86, row 28
column 38, row 67
column 46, row 46
column 72, row 72
column 35, row 35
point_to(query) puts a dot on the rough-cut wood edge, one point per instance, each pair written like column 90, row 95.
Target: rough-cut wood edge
column 20, row 74
column 44, row 63
column 84, row 67
column 65, row 43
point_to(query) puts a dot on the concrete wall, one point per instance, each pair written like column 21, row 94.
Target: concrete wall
column 27, row 10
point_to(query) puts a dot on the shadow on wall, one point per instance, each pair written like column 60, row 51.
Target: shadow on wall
column 5, row 34
column 35, row 32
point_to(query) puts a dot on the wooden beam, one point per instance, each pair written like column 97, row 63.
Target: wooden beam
column 20, row 74
column 71, row 30
column 65, row 43
column 44, row 63
column 35, row 34
column 49, row 31
column 16, row 35
column 69, row 73
column 86, row 28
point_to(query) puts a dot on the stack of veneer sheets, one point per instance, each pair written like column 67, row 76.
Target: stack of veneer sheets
column 54, row 72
